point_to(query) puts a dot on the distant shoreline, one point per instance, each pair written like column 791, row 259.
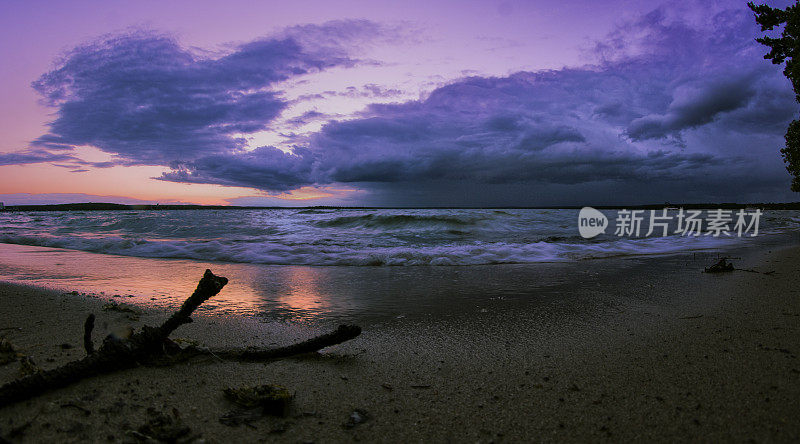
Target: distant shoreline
column 91, row 206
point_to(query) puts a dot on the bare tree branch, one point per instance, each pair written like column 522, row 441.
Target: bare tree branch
column 148, row 347
column 88, row 326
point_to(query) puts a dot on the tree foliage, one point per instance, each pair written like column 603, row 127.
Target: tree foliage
column 784, row 49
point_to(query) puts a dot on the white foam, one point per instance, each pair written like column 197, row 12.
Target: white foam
column 347, row 237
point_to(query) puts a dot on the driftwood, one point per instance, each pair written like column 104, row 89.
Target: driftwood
column 341, row 334
column 720, row 267
column 151, row 345
column 723, row 266
column 88, row 326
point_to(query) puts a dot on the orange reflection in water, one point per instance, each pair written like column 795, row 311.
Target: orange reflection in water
column 147, row 282
column 288, row 292
column 301, row 294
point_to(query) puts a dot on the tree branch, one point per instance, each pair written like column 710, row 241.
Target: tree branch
column 88, row 326
column 148, row 347
column 115, row 354
column 342, row 334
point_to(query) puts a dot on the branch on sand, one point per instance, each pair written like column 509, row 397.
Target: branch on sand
column 152, row 346
column 724, row 266
column 720, row 267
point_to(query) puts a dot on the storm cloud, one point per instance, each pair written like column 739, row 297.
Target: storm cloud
column 661, row 105
column 144, row 98
column 265, row 167
column 32, row 156
column 662, row 112
column 693, row 106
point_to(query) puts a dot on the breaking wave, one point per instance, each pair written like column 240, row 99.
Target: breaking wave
column 396, row 221
column 347, row 237
column 311, row 254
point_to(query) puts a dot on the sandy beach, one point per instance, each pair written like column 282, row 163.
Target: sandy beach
column 651, row 351
column 425, row 222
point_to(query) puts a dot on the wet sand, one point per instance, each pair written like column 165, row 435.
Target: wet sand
column 654, row 350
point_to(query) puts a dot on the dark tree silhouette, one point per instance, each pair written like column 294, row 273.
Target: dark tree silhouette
column 784, row 49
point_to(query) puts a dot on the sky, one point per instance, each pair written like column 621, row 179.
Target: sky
column 383, row 103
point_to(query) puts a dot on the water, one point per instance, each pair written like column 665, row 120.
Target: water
column 364, row 237
column 322, row 267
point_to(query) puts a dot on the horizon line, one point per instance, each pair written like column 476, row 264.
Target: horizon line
column 108, row 206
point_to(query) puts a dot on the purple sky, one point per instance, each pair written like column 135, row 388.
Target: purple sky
column 486, row 103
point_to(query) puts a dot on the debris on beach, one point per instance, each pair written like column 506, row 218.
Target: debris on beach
column 273, row 399
column 122, row 308
column 720, row 267
column 255, row 403
column 186, row 341
column 27, row 367
column 161, row 427
column 723, row 266
column 77, row 406
column 691, row 317
column 357, row 417
column 280, row 428
column 147, row 347
column 7, row 352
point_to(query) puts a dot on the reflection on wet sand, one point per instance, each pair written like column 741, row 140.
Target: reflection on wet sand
column 151, row 282
column 323, row 296
column 285, row 292
column 301, row 297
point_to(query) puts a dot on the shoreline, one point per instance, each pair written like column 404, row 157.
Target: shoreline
column 643, row 352
column 328, row 295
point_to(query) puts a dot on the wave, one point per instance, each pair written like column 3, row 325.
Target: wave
column 350, row 237
column 314, row 211
column 480, row 253
column 396, row 221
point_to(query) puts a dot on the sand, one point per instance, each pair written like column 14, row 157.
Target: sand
column 652, row 352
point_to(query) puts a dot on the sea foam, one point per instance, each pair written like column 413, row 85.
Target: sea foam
column 348, row 237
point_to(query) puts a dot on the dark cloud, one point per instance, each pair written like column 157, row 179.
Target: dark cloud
column 370, row 90
column 656, row 113
column 308, row 117
column 73, row 162
column 32, row 156
column 106, row 164
column 669, row 110
column 147, row 100
column 693, row 106
column 653, row 113
column 672, row 104
column 266, row 167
